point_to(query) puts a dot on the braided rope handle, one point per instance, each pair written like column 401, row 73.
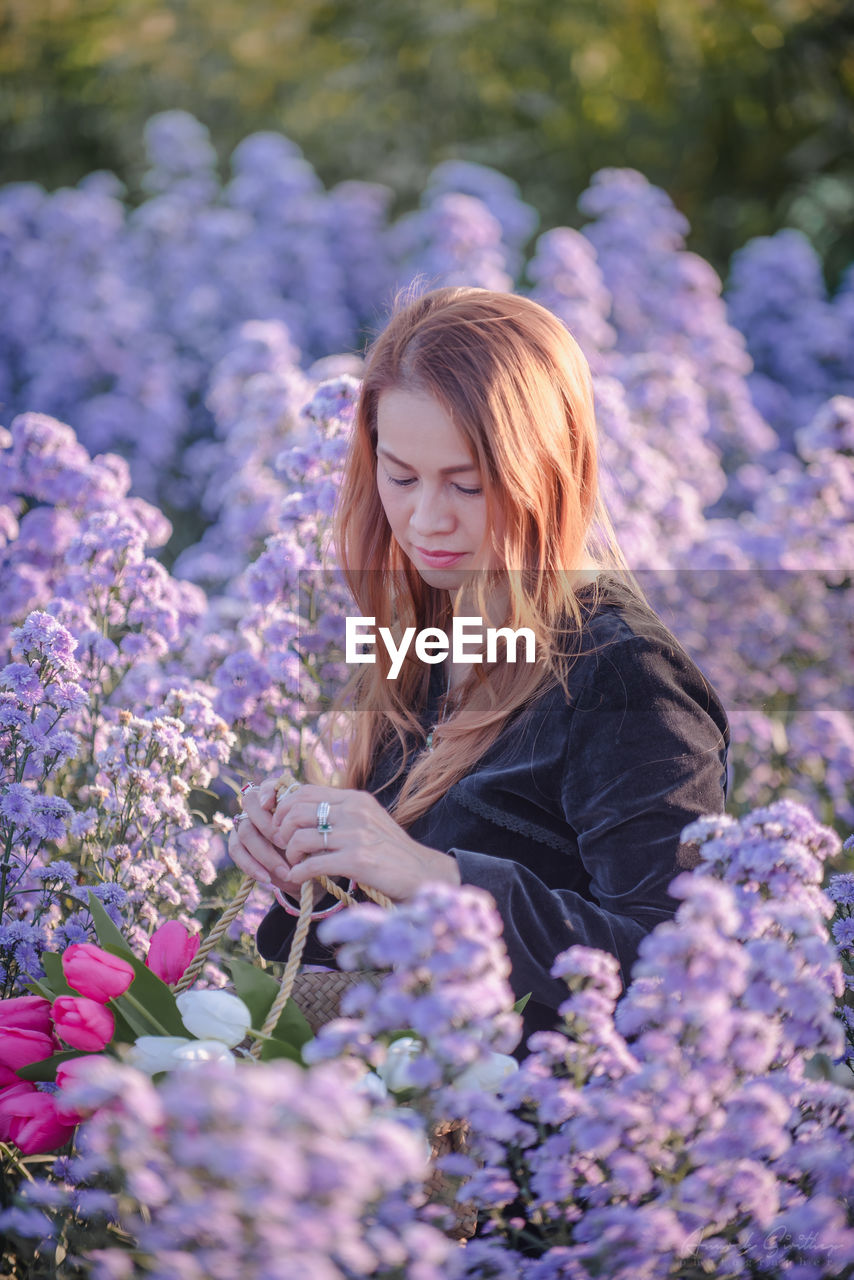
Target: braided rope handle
column 306, row 904
column 231, row 912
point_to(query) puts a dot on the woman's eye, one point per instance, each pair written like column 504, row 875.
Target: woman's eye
column 403, row 482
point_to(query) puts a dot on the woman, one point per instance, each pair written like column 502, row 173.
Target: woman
column 560, row 785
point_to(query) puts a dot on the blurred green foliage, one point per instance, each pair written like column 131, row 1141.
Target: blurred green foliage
column 742, row 109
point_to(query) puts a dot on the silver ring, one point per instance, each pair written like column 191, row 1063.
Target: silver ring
column 323, row 824
column 239, row 818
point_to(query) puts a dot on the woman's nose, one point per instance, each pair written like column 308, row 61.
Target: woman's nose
column 432, row 512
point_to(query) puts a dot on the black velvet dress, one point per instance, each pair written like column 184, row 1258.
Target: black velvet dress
column 572, row 819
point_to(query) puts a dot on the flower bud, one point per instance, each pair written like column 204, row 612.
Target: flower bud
column 96, row 973
column 83, row 1023
column 214, row 1015
column 171, row 950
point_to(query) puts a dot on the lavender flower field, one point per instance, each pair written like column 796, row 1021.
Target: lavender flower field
column 177, row 383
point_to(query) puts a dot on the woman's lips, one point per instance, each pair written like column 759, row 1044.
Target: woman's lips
column 440, row 559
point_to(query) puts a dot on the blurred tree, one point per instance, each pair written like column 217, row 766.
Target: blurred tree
column 741, row 109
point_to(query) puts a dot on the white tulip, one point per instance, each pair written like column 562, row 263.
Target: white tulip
column 155, row 1053
column 370, row 1086
column 196, row 1052
column 214, row 1015
column 487, row 1075
column 415, row 1122
column 395, row 1071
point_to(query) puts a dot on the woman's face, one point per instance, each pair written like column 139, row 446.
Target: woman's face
column 431, row 489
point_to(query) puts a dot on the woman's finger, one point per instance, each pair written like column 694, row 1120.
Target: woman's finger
column 344, row 864
column 263, row 850
column 302, row 817
column 253, row 806
column 311, row 795
column 244, row 860
column 320, row 864
column 278, row 878
column 267, row 794
column 306, row 842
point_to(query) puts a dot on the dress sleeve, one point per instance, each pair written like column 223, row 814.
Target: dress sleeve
column 646, row 754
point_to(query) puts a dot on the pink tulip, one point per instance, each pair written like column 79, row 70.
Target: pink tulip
column 77, row 1073
column 28, row 1013
column 171, row 950
column 32, row 1120
column 83, row 1023
column 8, row 1076
column 19, row 1046
column 8, row 1098
column 95, row 973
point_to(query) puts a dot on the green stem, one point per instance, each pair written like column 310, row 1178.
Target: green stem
column 140, row 1008
column 14, row 1159
column 4, row 872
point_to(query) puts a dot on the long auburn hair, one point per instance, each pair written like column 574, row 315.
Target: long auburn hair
column 516, row 385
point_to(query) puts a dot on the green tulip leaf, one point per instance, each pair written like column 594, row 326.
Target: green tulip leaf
column 130, row 1023
column 124, row 1032
column 109, row 935
column 258, row 989
column 54, row 976
column 46, row 1069
column 40, row 988
column 279, row 1049
column 520, row 1004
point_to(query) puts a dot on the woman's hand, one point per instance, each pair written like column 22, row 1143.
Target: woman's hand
column 250, row 844
column 362, row 843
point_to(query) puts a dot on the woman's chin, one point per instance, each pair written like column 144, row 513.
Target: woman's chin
column 444, row 579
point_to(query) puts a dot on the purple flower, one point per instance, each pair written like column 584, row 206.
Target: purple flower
column 23, row 682
column 112, row 895
column 30, row 1223
column 58, row 870
column 840, row 887
column 447, row 981
column 50, row 817
column 42, row 635
column 339, row 1204
column 16, row 805
column 843, row 932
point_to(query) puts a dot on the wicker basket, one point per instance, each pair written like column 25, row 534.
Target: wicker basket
column 317, row 994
